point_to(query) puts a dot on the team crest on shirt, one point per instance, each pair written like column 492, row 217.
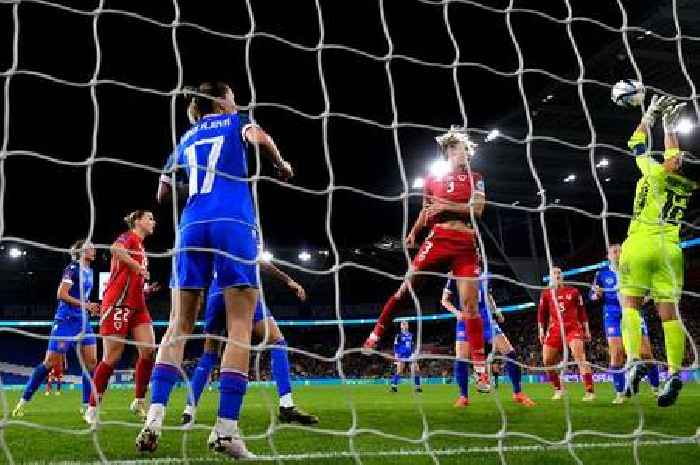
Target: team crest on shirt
column 609, row 281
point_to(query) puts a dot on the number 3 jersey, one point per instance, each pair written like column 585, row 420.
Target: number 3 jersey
column 454, row 186
column 213, row 155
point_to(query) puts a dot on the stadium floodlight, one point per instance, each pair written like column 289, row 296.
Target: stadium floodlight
column 603, row 163
column 304, row 256
column 685, row 126
column 418, row 183
column 16, row 253
column 439, row 167
column 492, row 135
column 267, row 256
column 570, row 178
column 324, row 252
column 608, row 179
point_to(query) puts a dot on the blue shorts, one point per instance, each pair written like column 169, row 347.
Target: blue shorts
column 70, row 327
column 461, row 331
column 215, row 314
column 612, row 325
column 195, row 270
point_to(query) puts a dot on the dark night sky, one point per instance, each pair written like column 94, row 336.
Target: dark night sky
column 48, row 202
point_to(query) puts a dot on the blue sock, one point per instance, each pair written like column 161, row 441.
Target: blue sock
column 232, row 387
column 416, row 379
column 461, row 369
column 38, row 377
column 163, row 379
column 618, row 379
column 201, row 376
column 280, row 367
column 513, row 370
column 395, row 379
column 87, row 386
column 653, row 375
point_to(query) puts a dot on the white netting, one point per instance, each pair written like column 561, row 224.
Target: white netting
column 640, row 436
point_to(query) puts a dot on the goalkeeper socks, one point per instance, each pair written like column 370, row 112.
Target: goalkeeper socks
column 588, row 381
column 674, row 339
column 416, row 379
column 232, row 388
column 631, row 332
column 101, row 379
column 554, row 379
column 475, row 333
column 279, row 359
column 38, row 377
column 395, row 379
column 162, row 382
column 87, row 386
column 513, row 370
column 618, row 377
column 201, row 376
column 144, row 368
column 653, row 375
column 461, row 369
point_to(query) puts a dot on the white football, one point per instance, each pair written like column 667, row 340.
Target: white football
column 628, row 93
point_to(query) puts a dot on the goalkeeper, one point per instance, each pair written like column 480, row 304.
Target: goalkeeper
column 651, row 260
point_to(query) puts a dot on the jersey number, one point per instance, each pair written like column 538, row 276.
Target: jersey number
column 215, row 144
column 674, row 207
column 450, row 186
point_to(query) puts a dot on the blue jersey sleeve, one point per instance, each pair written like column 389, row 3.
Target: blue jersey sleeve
column 70, row 274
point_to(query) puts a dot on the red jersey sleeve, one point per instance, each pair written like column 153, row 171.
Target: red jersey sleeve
column 581, row 308
column 125, row 240
column 542, row 308
column 428, row 188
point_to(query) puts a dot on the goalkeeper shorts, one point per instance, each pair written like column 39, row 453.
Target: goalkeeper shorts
column 653, row 265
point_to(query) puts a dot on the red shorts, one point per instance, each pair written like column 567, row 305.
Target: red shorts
column 449, row 249
column 553, row 337
column 119, row 321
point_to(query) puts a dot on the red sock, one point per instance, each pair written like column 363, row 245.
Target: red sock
column 386, row 317
column 588, row 381
column 475, row 333
column 554, row 379
column 58, row 375
column 101, row 379
column 144, row 367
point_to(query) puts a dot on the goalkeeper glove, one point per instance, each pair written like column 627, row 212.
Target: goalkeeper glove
column 655, row 108
column 671, row 116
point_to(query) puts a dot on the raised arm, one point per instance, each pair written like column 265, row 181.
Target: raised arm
column 256, row 136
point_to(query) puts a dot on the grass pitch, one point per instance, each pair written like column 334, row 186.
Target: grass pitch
column 351, row 418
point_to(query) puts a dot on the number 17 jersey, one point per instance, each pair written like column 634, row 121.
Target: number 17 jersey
column 213, row 155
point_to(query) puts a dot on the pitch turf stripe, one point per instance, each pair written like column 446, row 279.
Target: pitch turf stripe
column 388, row 453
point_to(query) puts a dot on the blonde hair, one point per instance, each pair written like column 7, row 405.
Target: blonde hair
column 454, row 136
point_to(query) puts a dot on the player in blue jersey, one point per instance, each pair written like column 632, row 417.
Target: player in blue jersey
column 265, row 327
column 403, row 355
column 492, row 335
column 71, row 325
column 217, row 233
column 605, row 289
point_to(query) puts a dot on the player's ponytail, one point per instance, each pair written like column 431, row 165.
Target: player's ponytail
column 76, row 249
column 133, row 217
column 203, row 100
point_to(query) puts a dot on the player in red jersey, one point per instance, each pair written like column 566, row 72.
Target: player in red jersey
column 449, row 201
column 56, row 376
column 124, row 311
column 564, row 305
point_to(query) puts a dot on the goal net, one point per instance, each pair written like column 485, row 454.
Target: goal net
column 354, row 94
